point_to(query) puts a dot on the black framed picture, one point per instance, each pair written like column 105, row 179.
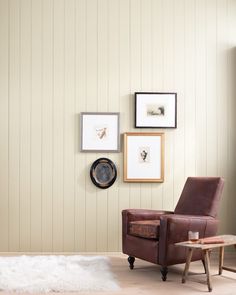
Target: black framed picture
column 155, row 109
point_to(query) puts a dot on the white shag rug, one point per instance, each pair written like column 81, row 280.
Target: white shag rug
column 56, row 273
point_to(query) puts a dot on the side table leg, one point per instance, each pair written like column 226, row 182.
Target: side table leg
column 221, row 259
column 207, row 263
column 189, row 257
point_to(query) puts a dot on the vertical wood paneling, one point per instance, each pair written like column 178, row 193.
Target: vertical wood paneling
column 201, row 95
column 190, row 80
column 103, row 55
column 231, row 115
column 222, row 105
column 91, row 105
column 69, row 125
column 47, row 125
column 114, row 93
column 102, row 100
column 135, row 83
column 168, row 86
column 146, row 77
column 4, row 131
column 212, row 149
column 157, row 76
column 36, row 128
column 115, row 90
column 146, row 45
column 125, row 102
column 179, row 86
column 61, row 58
column 80, row 93
column 58, row 124
column 14, row 123
column 25, row 124
column 114, row 215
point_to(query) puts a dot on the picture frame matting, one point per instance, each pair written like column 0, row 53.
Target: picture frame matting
column 155, row 110
column 143, row 157
column 100, row 132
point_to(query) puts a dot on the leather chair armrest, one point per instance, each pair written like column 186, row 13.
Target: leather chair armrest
column 140, row 214
column 174, row 228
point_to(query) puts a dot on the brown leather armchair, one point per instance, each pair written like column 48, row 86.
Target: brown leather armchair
column 151, row 234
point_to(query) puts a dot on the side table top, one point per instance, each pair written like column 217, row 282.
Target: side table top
column 228, row 240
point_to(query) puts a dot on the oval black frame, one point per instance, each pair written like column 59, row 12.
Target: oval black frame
column 113, row 167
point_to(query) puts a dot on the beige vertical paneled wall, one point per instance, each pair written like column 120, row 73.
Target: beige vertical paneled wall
column 62, row 57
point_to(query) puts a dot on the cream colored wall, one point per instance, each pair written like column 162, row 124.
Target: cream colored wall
column 59, row 58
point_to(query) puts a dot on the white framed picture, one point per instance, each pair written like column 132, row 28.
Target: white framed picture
column 100, row 132
column 155, row 110
column 143, row 157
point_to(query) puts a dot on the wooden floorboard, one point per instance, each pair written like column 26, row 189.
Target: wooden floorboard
column 145, row 278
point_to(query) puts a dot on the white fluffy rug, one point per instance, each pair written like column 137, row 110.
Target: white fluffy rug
column 56, row 273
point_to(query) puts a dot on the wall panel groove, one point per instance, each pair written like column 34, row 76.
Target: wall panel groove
column 4, row 122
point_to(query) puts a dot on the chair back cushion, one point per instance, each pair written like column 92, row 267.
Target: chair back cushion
column 200, row 196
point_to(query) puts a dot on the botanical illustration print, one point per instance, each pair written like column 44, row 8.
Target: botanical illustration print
column 144, row 154
column 155, row 110
column 101, row 132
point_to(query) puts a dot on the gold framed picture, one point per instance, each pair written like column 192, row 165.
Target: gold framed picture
column 143, row 157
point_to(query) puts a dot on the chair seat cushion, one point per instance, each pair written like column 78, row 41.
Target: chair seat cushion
column 145, row 228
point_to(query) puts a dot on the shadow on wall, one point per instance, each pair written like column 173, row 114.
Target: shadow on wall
column 77, row 133
column 231, row 161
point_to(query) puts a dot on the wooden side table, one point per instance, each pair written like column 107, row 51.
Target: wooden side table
column 206, row 248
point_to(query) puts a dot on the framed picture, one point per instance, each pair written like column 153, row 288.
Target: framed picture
column 100, row 132
column 155, row 110
column 143, row 157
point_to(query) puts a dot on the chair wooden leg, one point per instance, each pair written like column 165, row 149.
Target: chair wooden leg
column 164, row 272
column 131, row 260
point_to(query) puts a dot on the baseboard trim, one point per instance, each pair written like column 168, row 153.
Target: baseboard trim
column 214, row 254
column 60, row 253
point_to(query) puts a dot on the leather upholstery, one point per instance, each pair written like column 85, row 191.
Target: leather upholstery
column 145, row 228
column 174, row 228
column 196, row 211
column 200, row 196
